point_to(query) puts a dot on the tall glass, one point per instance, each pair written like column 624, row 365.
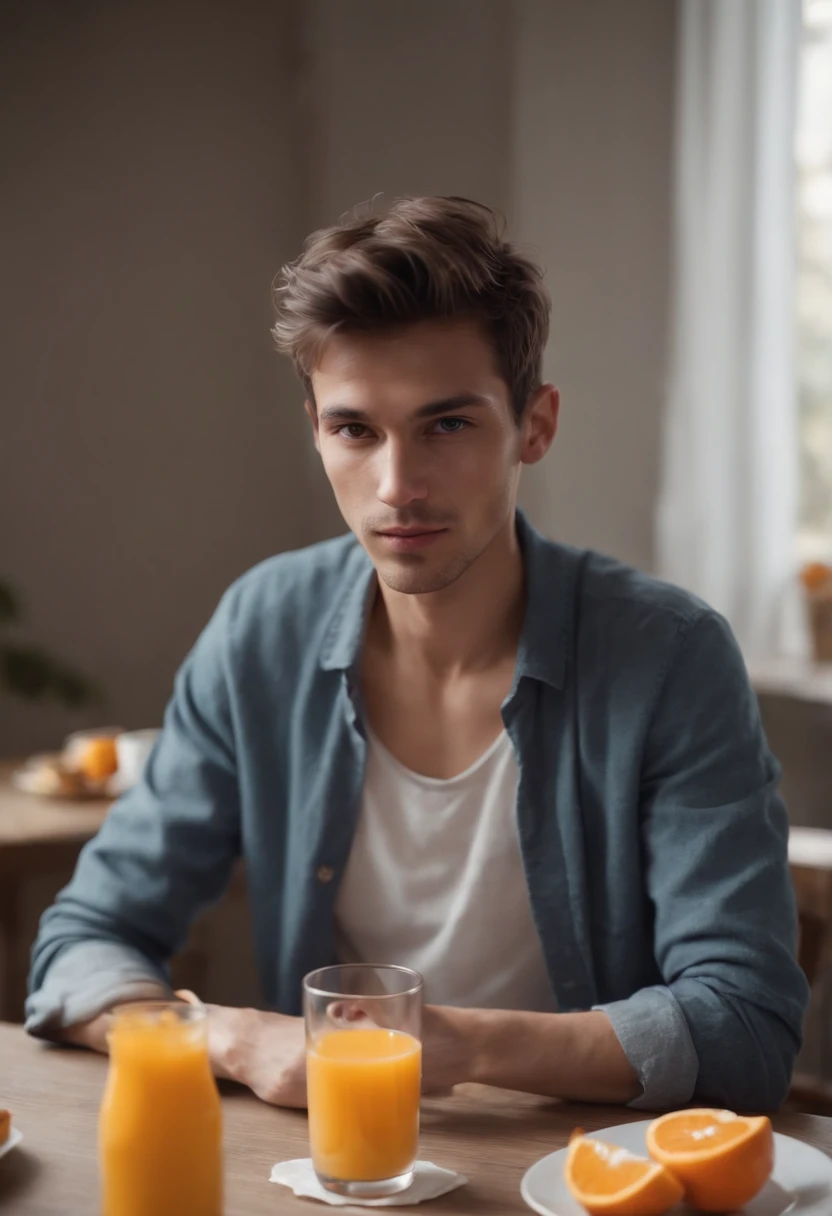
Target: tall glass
column 363, row 1075
column 160, row 1126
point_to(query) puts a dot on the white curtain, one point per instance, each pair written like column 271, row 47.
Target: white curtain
column 727, row 509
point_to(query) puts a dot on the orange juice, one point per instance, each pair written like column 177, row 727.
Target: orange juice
column 160, row 1129
column 363, row 1092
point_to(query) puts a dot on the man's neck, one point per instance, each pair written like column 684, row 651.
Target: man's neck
column 471, row 625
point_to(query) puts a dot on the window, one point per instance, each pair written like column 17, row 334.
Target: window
column 814, row 281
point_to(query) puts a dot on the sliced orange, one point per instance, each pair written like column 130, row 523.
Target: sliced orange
column 723, row 1160
column 610, row 1181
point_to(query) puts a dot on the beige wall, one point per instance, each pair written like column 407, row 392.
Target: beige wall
column 409, row 98
column 560, row 115
column 405, row 98
column 591, row 176
column 165, row 158
column 151, row 444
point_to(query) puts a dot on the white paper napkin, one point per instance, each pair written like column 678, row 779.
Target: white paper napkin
column 429, row 1182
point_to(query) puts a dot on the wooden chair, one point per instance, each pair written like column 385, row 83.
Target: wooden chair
column 810, row 858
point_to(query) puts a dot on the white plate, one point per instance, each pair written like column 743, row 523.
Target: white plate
column 800, row 1185
column 14, row 1139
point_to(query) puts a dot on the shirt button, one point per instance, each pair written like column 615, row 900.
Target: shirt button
column 325, row 873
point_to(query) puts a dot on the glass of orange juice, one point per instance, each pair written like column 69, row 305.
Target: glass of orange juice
column 363, row 1076
column 160, row 1125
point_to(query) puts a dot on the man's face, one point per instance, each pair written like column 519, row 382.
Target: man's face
column 418, row 439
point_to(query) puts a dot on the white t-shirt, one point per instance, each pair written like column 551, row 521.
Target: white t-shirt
column 435, row 882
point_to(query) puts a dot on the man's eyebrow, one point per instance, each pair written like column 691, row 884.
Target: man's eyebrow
column 462, row 401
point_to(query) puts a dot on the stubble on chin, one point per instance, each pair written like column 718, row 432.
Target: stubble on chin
column 421, row 578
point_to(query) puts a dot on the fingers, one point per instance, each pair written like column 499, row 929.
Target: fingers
column 190, row 998
column 350, row 1012
column 346, row 1012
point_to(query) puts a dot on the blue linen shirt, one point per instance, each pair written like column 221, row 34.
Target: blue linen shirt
column 653, row 839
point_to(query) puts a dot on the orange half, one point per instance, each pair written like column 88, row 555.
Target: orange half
column 610, row 1181
column 723, row 1160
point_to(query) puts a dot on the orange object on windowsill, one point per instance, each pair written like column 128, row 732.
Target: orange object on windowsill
column 815, row 575
column 816, row 578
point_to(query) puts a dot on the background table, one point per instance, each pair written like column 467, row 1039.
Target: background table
column 491, row 1135
column 38, row 837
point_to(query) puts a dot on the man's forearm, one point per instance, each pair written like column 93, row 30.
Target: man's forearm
column 92, row 1034
column 561, row 1055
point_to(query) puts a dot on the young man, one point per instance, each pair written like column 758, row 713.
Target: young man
column 529, row 772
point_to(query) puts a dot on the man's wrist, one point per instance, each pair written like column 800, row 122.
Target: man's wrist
column 230, row 1050
column 92, row 1032
column 453, row 1043
column 481, row 1037
column 486, row 1041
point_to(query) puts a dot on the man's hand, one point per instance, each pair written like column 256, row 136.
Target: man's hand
column 446, row 1049
column 265, row 1051
column 571, row 1055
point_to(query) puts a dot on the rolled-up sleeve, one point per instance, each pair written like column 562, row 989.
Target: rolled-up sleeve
column 86, row 979
column 654, row 1033
column 726, row 1027
column 165, row 852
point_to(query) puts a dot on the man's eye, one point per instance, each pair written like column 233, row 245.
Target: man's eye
column 451, row 426
column 353, row 430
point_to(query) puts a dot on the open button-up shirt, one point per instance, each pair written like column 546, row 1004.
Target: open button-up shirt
column 652, row 835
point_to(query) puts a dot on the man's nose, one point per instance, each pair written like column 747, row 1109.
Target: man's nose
column 402, row 479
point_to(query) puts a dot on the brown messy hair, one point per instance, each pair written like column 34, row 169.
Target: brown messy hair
column 424, row 259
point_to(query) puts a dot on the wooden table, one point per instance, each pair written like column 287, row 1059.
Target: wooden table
column 28, row 822
column 491, row 1135
column 37, row 836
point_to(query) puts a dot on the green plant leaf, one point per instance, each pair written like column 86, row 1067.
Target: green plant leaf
column 26, row 671
column 32, row 674
column 9, row 605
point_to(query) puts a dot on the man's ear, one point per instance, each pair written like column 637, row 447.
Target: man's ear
column 540, row 424
column 312, row 415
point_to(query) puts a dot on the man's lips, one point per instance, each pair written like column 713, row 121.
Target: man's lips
column 405, row 540
column 408, row 531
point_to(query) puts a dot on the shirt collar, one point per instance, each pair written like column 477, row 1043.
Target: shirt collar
column 345, row 632
column 546, row 636
column 550, row 572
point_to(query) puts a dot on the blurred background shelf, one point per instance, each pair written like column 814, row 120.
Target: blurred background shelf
column 798, row 678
